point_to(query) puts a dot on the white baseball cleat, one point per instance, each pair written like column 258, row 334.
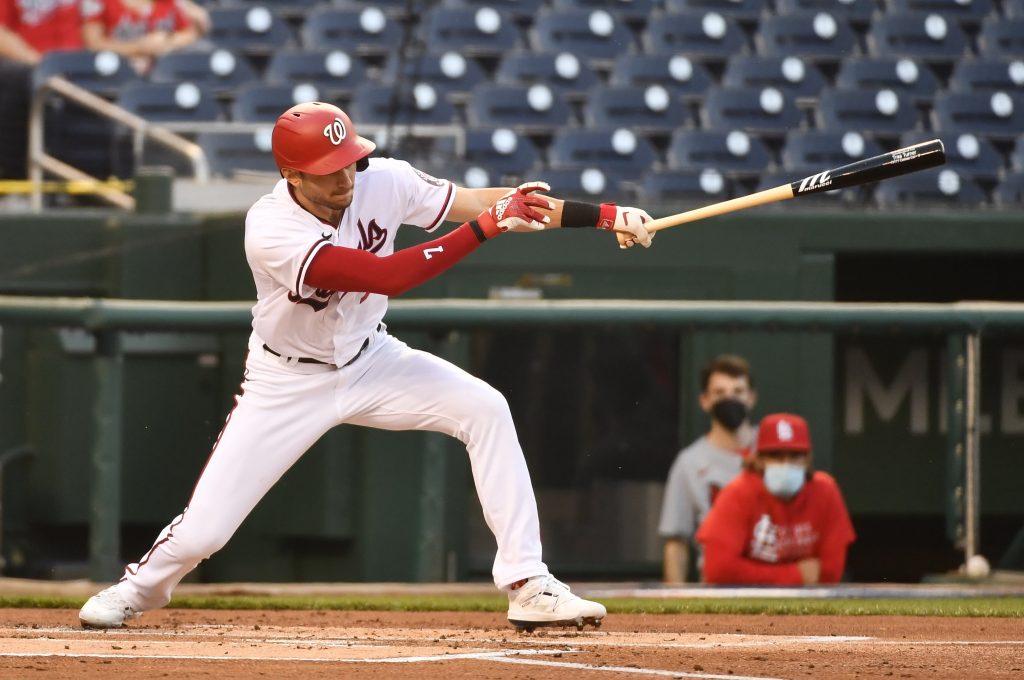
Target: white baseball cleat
column 546, row 601
column 106, row 609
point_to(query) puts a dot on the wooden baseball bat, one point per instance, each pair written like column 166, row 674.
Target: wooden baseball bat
column 909, row 159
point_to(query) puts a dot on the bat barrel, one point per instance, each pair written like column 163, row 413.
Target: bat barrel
column 922, row 156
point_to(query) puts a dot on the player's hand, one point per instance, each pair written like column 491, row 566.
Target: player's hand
column 810, row 570
column 515, row 211
column 628, row 225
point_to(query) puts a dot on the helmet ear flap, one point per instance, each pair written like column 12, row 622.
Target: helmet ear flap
column 362, row 164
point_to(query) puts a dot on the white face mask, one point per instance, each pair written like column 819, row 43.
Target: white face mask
column 784, row 479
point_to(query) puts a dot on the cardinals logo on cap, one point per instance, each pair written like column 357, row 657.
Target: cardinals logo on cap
column 335, row 132
column 784, row 431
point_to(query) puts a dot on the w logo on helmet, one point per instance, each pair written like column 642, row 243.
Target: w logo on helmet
column 335, row 132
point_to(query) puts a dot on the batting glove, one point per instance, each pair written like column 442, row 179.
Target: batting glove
column 627, row 223
column 515, row 211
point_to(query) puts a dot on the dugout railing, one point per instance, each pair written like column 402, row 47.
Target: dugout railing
column 963, row 324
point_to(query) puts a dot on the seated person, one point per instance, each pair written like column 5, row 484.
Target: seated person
column 29, row 30
column 140, row 30
column 779, row 522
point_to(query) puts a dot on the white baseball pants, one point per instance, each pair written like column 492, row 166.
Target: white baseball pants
column 285, row 408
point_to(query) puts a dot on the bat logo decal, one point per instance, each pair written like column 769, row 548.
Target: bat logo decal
column 822, row 179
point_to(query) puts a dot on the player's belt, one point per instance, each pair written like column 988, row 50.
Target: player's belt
column 311, row 360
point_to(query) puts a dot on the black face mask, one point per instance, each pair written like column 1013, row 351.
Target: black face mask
column 730, row 413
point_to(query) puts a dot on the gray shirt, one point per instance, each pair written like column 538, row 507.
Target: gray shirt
column 698, row 473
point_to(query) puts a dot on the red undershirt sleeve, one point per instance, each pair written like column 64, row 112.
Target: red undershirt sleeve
column 351, row 270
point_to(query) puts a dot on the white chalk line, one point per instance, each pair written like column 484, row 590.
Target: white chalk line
column 630, row 669
column 484, row 656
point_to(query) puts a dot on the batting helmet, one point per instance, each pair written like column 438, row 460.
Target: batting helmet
column 317, row 138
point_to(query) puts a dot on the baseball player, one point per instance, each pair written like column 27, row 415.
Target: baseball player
column 779, row 522
column 321, row 249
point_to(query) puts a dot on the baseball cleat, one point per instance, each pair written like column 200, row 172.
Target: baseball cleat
column 546, row 601
column 106, row 609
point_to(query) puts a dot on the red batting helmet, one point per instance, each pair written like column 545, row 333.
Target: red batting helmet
column 783, row 432
column 317, row 138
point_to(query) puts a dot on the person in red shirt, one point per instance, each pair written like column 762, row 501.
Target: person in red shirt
column 779, row 522
column 30, row 28
column 138, row 29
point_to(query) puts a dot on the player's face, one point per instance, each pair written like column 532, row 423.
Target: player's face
column 325, row 196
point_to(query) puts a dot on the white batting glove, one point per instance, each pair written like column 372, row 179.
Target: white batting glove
column 628, row 225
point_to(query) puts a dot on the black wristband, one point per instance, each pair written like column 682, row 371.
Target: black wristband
column 475, row 226
column 578, row 214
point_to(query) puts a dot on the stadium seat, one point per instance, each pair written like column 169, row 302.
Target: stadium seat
column 821, row 149
column 938, row 186
column 475, row 31
column 650, row 109
column 1001, row 37
column 676, row 72
column 219, row 69
column 501, row 151
column 882, row 112
column 102, row 73
column 450, row 73
column 998, row 115
column 793, row 76
column 420, row 104
column 987, row 75
column 968, row 154
column 900, row 74
column 1009, row 193
column 253, row 29
column 526, row 108
column 1014, row 9
column 741, row 10
column 365, row 31
column 519, row 10
column 733, row 153
column 561, row 71
column 170, row 102
column 632, row 11
column 335, row 73
column 767, row 111
column 698, row 186
column 231, row 152
column 698, row 35
column 917, row 35
column 1017, row 155
column 966, row 12
column 592, row 183
column 261, row 103
column 857, row 12
column 617, row 150
column 469, row 174
column 816, row 36
column 594, row 36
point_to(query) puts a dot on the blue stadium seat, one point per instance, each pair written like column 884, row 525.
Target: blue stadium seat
column 817, row 36
column 857, row 12
column 1001, row 37
column 998, row 115
column 520, row 10
column 697, row 186
column 336, row 73
column 220, row 69
column 468, row 174
column 253, row 29
column 476, row 31
column 633, row 11
column 615, row 150
column 594, row 36
column 562, row 71
column 533, row 109
column 733, row 153
column 261, row 103
column 822, row 149
column 741, row 10
column 417, row 105
column 884, row 112
column 677, row 72
column 987, row 75
column 501, row 151
column 698, row 35
column 938, row 186
column 1014, row 9
column 791, row 75
column 971, row 156
column 967, row 13
column 102, row 73
column 649, row 109
column 590, row 183
column 901, row 74
column 170, row 102
column 231, row 152
column 363, row 31
column 1009, row 193
column 917, row 35
column 765, row 111
column 286, row 9
column 452, row 74
column 1017, row 155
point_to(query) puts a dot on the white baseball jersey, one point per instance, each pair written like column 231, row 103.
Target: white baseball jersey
column 699, row 472
column 281, row 239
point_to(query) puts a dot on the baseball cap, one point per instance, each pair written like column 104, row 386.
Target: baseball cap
column 783, row 432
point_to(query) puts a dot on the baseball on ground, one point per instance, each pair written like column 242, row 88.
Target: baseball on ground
column 977, row 567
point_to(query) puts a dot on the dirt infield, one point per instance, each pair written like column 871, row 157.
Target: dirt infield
column 187, row 643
